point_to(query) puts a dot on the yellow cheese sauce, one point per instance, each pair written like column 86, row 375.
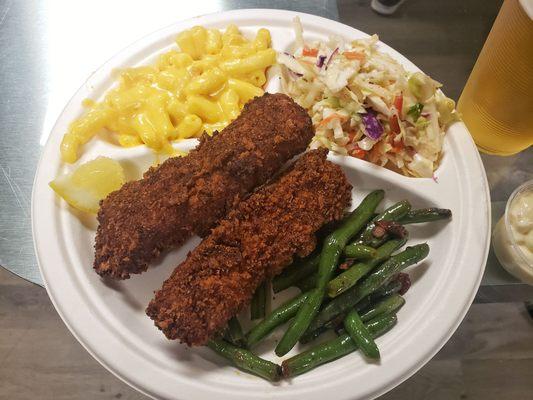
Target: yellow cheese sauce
column 201, row 86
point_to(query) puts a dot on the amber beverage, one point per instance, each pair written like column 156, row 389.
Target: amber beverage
column 497, row 101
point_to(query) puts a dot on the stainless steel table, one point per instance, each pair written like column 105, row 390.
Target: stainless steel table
column 49, row 47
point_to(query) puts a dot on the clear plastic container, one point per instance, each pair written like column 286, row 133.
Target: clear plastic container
column 513, row 235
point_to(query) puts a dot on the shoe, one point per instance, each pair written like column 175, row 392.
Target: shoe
column 386, row 7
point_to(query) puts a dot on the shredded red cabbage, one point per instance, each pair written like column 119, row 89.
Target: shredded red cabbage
column 333, row 53
column 373, row 127
column 293, row 75
column 320, row 61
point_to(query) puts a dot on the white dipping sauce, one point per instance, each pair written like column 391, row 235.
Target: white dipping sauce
column 513, row 236
column 521, row 221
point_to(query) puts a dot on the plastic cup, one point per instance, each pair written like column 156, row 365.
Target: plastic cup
column 496, row 103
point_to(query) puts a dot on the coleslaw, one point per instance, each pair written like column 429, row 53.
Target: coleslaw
column 364, row 104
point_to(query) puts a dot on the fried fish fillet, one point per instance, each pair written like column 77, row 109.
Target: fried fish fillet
column 254, row 242
column 190, row 194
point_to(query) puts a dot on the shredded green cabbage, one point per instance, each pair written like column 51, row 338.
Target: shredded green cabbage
column 356, row 78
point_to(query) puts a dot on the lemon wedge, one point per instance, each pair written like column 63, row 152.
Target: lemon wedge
column 89, row 183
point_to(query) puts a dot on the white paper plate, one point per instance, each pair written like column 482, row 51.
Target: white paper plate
column 109, row 321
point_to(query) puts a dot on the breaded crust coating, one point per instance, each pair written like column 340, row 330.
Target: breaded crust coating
column 255, row 241
column 189, row 195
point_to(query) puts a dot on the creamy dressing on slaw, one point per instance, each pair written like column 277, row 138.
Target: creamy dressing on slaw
column 364, row 104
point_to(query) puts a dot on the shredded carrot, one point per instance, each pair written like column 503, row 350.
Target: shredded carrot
column 394, row 124
column 398, row 103
column 333, row 116
column 309, row 52
column 374, row 153
column 397, row 146
column 354, row 55
column 358, row 152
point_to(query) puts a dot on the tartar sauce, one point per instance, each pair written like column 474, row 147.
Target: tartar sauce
column 521, row 221
column 513, row 235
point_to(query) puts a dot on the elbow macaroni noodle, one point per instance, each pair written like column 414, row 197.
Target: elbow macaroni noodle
column 202, row 87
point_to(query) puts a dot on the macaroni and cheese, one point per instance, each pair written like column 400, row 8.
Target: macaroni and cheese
column 200, row 87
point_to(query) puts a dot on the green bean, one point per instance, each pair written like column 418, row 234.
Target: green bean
column 308, row 283
column 393, row 287
column 337, row 240
column 309, row 337
column 386, row 305
column 234, row 333
column 370, row 284
column 277, row 317
column 360, row 335
column 385, row 290
column 295, row 273
column 416, row 217
column 350, row 277
column 258, row 306
column 301, row 321
column 246, row 360
column 333, row 349
column 425, row 215
column 371, row 306
column 329, row 257
column 393, row 213
column 359, row 251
